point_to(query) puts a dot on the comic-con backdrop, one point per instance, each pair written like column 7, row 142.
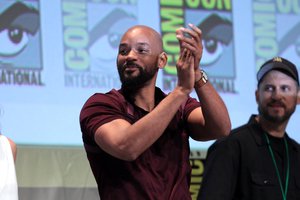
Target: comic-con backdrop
column 55, row 54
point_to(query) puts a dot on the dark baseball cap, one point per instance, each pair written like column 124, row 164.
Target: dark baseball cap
column 280, row 64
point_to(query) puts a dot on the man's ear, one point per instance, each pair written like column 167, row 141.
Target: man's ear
column 298, row 97
column 256, row 95
column 162, row 60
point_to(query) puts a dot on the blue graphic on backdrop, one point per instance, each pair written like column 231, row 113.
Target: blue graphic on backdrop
column 20, row 59
column 276, row 30
column 215, row 21
column 91, row 40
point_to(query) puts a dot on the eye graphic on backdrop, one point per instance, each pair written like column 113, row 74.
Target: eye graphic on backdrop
column 212, row 51
column 16, row 24
column 217, row 34
column 13, row 41
column 106, row 34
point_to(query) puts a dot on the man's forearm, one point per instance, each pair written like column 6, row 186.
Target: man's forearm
column 215, row 113
column 127, row 141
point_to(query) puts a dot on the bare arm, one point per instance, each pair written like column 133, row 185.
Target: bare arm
column 127, row 141
column 216, row 118
column 212, row 120
column 13, row 148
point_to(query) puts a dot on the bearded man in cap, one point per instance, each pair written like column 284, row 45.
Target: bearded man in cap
column 258, row 160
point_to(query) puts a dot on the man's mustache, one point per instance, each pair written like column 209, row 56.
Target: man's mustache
column 130, row 64
column 276, row 103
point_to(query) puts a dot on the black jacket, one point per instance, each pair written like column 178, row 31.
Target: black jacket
column 240, row 167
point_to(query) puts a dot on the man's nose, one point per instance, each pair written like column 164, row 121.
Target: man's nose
column 131, row 54
column 277, row 93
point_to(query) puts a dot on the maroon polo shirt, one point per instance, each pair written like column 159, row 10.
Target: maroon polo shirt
column 161, row 172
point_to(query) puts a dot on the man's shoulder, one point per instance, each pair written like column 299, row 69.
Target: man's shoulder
column 245, row 129
column 237, row 135
column 241, row 130
column 295, row 144
column 98, row 101
column 238, row 138
column 112, row 95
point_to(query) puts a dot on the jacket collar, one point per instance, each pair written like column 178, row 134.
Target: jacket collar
column 257, row 132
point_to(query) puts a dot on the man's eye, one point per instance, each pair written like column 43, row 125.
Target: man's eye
column 269, row 88
column 123, row 51
column 142, row 51
column 285, row 88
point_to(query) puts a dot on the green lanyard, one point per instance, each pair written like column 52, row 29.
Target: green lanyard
column 283, row 192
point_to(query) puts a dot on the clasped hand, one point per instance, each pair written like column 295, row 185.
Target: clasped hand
column 189, row 57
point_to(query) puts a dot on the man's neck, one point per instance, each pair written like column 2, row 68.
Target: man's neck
column 274, row 129
column 145, row 98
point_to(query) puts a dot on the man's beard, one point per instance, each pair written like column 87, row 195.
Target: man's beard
column 275, row 118
column 132, row 84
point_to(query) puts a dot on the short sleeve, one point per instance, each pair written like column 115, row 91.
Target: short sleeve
column 189, row 106
column 98, row 110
